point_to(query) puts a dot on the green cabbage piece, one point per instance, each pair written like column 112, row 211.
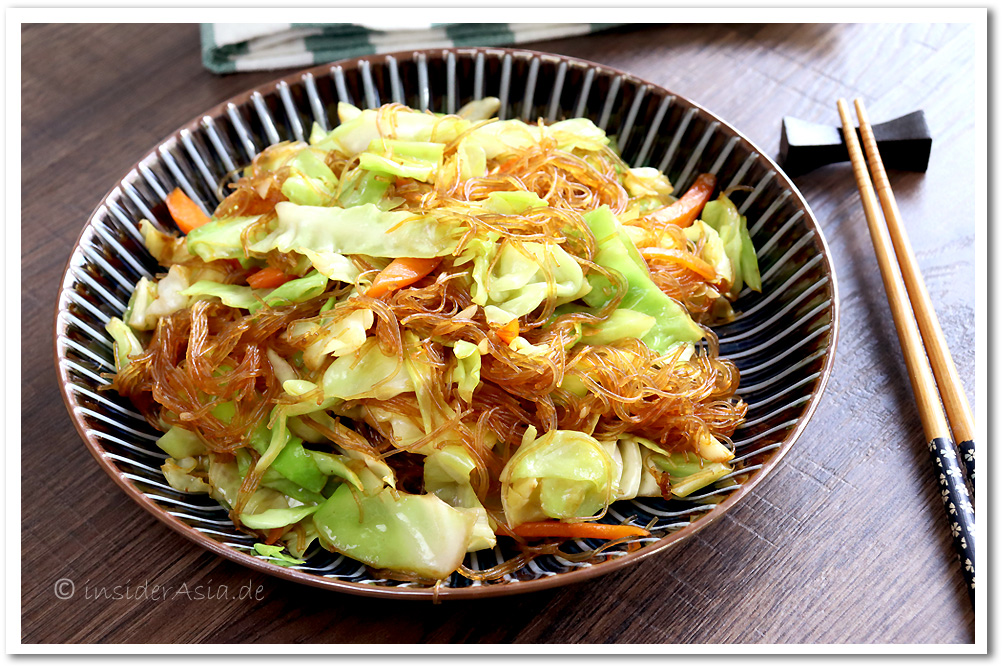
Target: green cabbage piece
column 137, row 315
column 516, row 280
column 621, row 324
column 615, row 251
column 467, row 373
column 277, row 555
column 359, row 128
column 240, row 297
column 181, row 475
column 469, row 161
column 366, row 372
column 179, row 443
column 311, row 181
column 297, row 290
column 724, row 218
column 334, row 465
column 219, row 238
column 335, row 266
column 712, row 250
column 497, row 138
column 447, row 475
column 364, row 187
column 333, row 335
column 125, row 342
column 481, row 109
column 244, row 297
column 578, row 134
column 647, row 182
column 168, row 249
column 276, row 481
column 564, row 474
column 413, row 534
column 414, row 160
column 513, row 136
column 292, row 461
column 512, row 202
column 364, row 229
column 169, row 294
column 272, row 518
column 689, row 472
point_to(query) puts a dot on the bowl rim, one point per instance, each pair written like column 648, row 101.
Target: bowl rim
column 436, row 593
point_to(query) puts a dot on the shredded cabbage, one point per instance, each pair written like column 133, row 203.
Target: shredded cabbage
column 417, row 332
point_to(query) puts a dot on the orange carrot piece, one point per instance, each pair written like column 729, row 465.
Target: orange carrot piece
column 401, row 272
column 274, row 535
column 687, row 260
column 268, row 277
column 185, row 213
column 509, row 331
column 577, row 530
column 685, row 211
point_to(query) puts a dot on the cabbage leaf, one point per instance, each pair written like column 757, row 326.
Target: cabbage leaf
column 364, row 229
column 724, row 218
column 615, row 251
column 414, row 534
column 564, row 474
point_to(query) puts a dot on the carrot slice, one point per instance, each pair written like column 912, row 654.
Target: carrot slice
column 185, row 213
column 687, row 260
column 274, row 535
column 401, row 272
column 685, row 211
column 509, row 331
column 578, row 530
column 268, row 277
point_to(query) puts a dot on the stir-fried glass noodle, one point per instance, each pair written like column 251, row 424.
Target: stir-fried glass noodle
column 419, row 335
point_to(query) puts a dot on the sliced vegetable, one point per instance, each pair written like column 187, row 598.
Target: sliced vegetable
column 399, row 273
column 722, row 216
column 564, row 474
column 276, row 518
column 126, row 343
column 364, row 229
column 268, row 277
column 673, row 325
column 578, row 530
column 415, row 534
column 685, row 211
column 184, row 211
column 509, row 331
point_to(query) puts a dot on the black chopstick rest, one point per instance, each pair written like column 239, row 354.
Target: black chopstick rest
column 959, row 507
column 904, row 144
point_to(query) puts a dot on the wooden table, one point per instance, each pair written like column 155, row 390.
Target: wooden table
column 845, row 542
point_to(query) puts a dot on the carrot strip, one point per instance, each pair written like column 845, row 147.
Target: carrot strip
column 687, row 260
column 509, row 331
column 274, row 535
column 578, row 530
column 185, row 213
column 685, row 211
column 268, row 277
column 399, row 273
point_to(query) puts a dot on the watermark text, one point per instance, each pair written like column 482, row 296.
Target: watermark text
column 66, row 588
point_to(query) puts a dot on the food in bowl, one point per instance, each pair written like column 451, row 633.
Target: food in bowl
column 418, row 335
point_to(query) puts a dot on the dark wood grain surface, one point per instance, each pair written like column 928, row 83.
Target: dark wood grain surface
column 845, row 542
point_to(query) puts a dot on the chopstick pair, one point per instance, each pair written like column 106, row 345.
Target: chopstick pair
column 929, row 364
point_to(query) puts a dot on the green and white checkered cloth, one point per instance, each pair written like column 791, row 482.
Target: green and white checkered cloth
column 240, row 47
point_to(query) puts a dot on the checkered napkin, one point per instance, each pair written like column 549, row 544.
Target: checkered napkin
column 239, row 47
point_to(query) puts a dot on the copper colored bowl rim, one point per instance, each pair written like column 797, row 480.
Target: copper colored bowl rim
column 501, row 589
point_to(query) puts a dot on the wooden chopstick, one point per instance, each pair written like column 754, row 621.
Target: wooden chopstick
column 960, row 416
column 957, row 501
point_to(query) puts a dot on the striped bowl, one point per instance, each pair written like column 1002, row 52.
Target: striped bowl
column 783, row 340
